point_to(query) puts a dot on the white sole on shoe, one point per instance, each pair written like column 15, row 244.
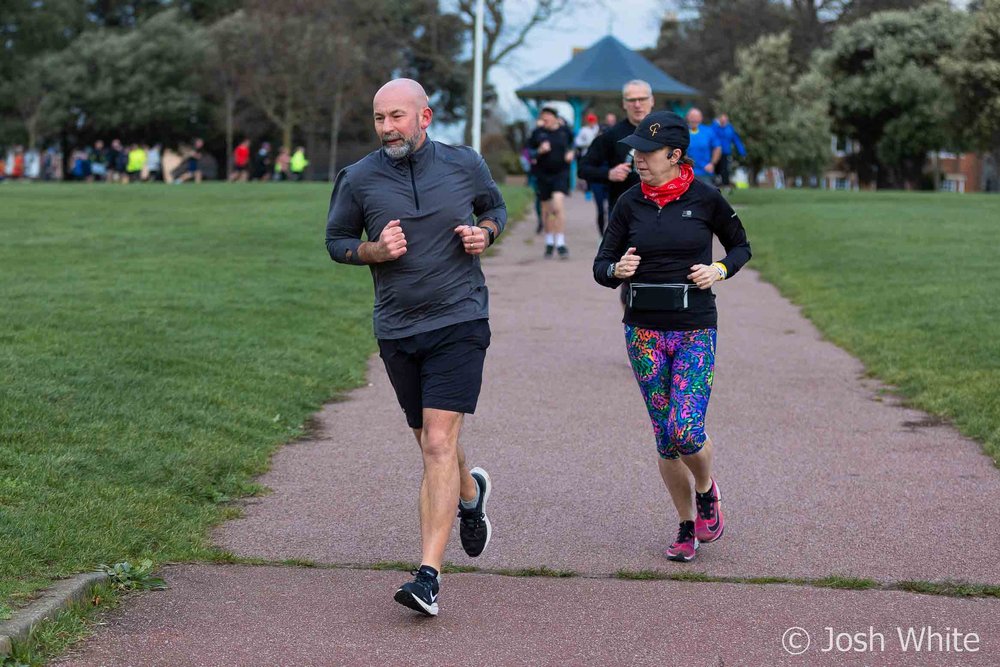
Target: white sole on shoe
column 677, row 558
column 486, row 498
column 416, row 604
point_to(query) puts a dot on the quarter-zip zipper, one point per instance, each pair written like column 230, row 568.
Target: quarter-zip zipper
column 413, row 182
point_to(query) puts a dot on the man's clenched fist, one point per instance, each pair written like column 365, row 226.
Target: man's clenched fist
column 391, row 242
column 474, row 239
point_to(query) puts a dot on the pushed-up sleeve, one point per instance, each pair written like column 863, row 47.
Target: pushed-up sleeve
column 487, row 202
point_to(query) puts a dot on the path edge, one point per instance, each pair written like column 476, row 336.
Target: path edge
column 54, row 600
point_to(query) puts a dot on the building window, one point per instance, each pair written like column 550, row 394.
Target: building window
column 953, row 185
column 841, row 145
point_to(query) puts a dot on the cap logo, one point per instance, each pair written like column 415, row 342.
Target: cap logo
column 654, row 128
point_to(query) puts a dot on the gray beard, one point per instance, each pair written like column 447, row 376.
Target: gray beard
column 407, row 147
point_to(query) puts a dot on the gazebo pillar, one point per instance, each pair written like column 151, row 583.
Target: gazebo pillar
column 533, row 106
column 578, row 104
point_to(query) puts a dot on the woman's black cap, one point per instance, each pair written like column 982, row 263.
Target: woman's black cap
column 657, row 130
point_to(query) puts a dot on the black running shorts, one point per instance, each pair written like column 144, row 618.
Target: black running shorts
column 549, row 183
column 440, row 369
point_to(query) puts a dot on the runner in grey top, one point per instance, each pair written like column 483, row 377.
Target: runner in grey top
column 431, row 191
column 429, row 211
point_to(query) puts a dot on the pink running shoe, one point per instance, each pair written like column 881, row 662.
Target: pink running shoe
column 708, row 523
column 685, row 546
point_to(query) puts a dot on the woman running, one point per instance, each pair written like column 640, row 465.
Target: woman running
column 659, row 241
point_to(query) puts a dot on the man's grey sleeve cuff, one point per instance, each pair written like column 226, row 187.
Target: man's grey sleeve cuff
column 498, row 215
column 345, row 251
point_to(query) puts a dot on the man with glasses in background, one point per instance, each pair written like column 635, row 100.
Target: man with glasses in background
column 609, row 162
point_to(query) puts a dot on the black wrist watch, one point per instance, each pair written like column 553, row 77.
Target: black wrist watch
column 489, row 231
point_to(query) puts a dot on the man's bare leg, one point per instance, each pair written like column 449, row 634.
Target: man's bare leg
column 547, row 215
column 558, row 224
column 557, row 208
column 439, row 491
column 468, row 488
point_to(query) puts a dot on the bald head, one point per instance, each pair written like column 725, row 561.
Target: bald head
column 401, row 91
column 694, row 118
column 401, row 116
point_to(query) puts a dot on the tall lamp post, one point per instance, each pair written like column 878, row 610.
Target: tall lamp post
column 477, row 86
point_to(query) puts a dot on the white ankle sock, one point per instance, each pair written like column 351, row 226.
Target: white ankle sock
column 550, row 239
column 560, row 240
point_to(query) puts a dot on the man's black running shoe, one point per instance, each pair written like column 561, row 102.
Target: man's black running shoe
column 474, row 526
column 421, row 594
column 549, row 249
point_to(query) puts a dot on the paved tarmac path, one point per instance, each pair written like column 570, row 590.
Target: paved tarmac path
column 820, row 476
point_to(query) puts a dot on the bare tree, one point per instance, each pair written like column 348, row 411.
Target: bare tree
column 33, row 92
column 275, row 42
column 339, row 34
column 229, row 70
column 500, row 38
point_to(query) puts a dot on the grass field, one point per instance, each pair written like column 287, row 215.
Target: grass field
column 157, row 344
column 907, row 282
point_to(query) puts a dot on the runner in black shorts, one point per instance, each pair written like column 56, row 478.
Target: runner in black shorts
column 430, row 209
column 552, row 144
column 548, row 184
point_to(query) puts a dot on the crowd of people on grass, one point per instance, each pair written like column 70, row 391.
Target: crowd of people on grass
column 118, row 162
column 16, row 163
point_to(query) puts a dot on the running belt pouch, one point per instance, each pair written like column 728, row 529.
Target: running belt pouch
column 646, row 296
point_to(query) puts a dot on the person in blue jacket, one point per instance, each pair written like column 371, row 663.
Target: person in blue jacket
column 728, row 137
column 704, row 149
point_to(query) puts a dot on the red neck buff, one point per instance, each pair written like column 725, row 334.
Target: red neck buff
column 662, row 195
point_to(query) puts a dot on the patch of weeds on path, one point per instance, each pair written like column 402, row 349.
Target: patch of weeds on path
column 641, row 575
column 945, row 588
column 127, row 577
column 764, row 581
column 847, row 583
column 229, row 558
column 690, row 576
column 950, row 589
column 451, row 568
column 542, row 571
column 399, row 565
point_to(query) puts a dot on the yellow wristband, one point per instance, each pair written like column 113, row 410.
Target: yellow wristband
column 723, row 272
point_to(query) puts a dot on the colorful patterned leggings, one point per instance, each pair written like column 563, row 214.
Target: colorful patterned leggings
column 675, row 370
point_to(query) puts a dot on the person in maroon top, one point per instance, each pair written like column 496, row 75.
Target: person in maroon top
column 659, row 243
column 241, row 162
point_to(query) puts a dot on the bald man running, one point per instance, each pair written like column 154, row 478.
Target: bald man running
column 429, row 211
